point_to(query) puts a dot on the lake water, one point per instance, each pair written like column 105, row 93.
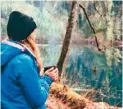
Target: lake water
column 87, row 68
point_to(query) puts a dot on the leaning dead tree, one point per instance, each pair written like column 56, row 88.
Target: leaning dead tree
column 66, row 42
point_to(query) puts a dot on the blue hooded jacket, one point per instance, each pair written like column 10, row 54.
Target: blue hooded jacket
column 21, row 85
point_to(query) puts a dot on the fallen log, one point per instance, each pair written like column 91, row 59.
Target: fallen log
column 62, row 97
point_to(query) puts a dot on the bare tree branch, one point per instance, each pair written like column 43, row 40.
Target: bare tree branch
column 96, row 40
column 94, row 4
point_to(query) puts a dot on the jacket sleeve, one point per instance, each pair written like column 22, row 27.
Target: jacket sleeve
column 35, row 88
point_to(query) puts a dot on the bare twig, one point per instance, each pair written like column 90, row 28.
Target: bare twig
column 118, row 103
column 96, row 9
column 96, row 40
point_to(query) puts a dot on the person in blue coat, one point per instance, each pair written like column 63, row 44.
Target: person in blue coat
column 24, row 85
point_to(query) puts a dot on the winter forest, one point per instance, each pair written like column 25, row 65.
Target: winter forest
column 84, row 40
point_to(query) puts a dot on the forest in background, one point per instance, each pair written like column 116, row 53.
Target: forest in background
column 85, row 67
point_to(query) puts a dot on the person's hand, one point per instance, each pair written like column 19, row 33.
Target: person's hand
column 53, row 73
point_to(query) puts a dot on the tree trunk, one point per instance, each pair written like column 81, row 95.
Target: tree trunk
column 66, row 42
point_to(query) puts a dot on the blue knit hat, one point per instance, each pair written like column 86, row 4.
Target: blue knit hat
column 20, row 26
